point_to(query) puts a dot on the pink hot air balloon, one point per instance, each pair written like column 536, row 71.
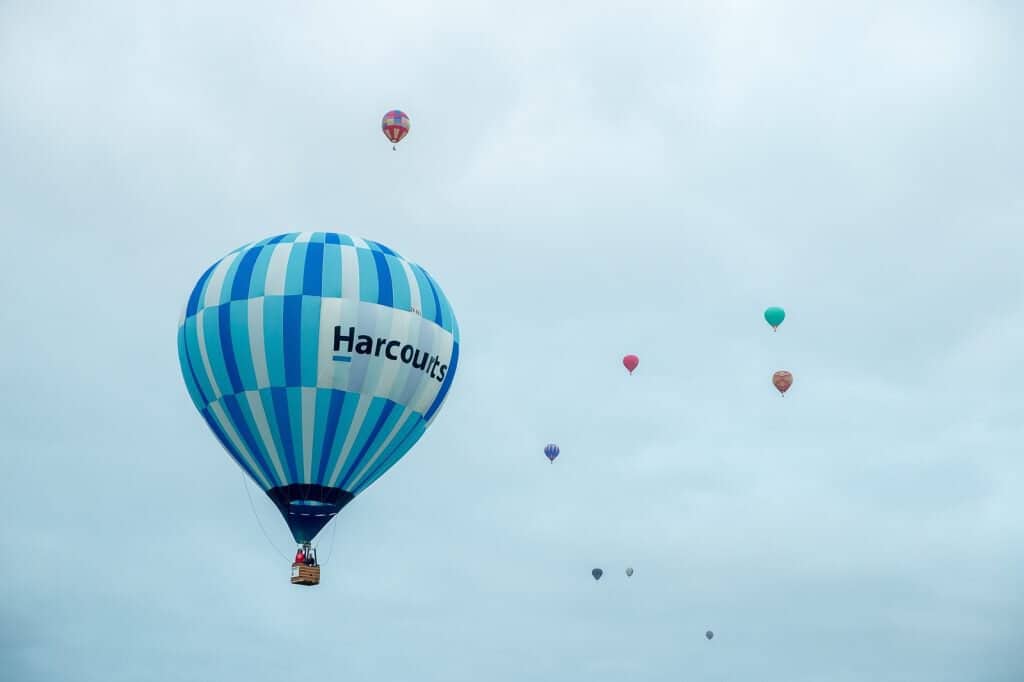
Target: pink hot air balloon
column 630, row 362
column 782, row 380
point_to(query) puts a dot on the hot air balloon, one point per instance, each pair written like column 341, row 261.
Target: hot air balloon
column 395, row 126
column 630, row 362
column 597, row 573
column 551, row 451
column 774, row 316
column 782, row 381
column 629, row 572
column 709, row 634
column 301, row 353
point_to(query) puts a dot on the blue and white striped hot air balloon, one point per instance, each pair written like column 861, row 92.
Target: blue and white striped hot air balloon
column 551, row 451
column 317, row 359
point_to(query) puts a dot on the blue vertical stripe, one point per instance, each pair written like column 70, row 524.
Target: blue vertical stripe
column 330, row 433
column 273, row 338
column 294, row 394
column 295, row 270
column 429, row 305
column 401, row 296
column 212, row 346
column 385, row 292
column 229, row 278
column 332, row 238
column 330, row 284
column 240, row 344
column 310, row 338
column 282, row 419
column 258, row 280
column 437, row 317
column 447, row 319
column 270, row 414
column 243, row 275
column 346, row 422
column 292, row 337
column 313, row 274
column 323, row 408
column 196, row 358
column 188, row 373
column 226, row 348
column 367, row 276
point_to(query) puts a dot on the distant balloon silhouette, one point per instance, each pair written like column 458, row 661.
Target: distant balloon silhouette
column 629, row 572
column 782, row 381
column 774, row 316
column 630, row 362
column 551, row 451
column 597, row 573
column 709, row 634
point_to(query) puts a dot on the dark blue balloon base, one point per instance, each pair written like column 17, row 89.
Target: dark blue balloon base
column 307, row 508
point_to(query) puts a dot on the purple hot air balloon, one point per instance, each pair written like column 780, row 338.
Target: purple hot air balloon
column 551, row 451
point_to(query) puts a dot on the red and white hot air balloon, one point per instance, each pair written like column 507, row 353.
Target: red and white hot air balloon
column 395, row 126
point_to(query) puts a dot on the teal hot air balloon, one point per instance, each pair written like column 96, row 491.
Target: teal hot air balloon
column 317, row 360
column 774, row 316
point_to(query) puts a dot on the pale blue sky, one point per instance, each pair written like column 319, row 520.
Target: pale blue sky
column 583, row 182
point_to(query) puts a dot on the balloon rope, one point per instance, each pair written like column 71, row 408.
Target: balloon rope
column 253, row 507
column 330, row 550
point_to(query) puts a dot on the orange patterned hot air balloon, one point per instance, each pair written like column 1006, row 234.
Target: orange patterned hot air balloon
column 782, row 380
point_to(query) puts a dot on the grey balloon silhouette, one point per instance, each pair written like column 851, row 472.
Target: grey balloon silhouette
column 709, row 634
column 597, row 573
column 629, row 571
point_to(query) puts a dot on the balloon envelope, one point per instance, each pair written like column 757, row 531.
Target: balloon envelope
column 774, row 316
column 317, row 359
column 551, row 451
column 782, row 380
column 709, row 634
column 630, row 362
column 597, row 573
column 629, row 572
column 395, row 125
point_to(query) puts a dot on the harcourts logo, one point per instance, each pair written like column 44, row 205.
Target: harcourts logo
column 393, row 350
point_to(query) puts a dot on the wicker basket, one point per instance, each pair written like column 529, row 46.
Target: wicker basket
column 305, row 575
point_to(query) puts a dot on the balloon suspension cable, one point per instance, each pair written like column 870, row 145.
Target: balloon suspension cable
column 252, row 506
column 330, row 550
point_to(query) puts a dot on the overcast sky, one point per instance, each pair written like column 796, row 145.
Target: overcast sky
column 583, row 181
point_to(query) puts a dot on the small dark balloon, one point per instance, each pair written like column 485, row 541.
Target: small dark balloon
column 629, row 572
column 597, row 573
column 709, row 634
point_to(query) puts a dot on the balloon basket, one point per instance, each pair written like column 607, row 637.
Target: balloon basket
column 305, row 575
